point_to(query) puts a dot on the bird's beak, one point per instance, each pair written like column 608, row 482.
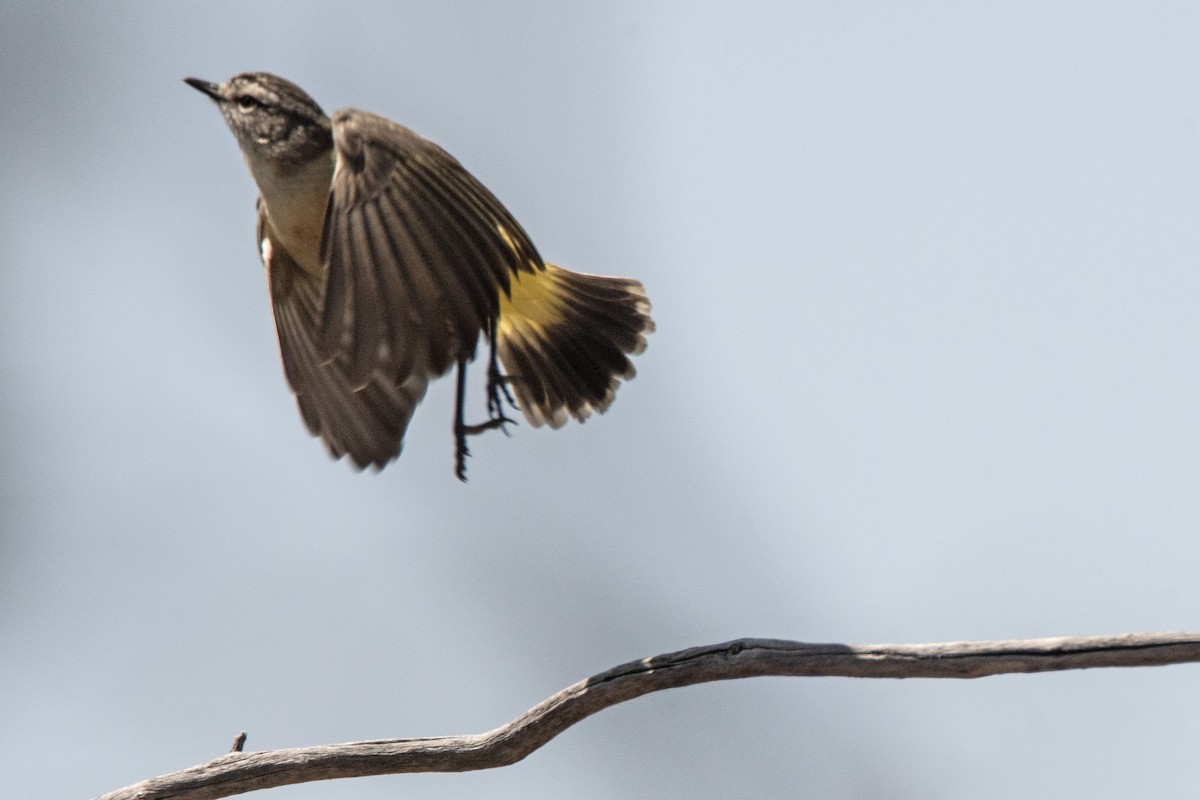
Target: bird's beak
column 210, row 89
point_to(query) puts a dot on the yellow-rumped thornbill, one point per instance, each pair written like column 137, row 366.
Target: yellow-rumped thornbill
column 386, row 260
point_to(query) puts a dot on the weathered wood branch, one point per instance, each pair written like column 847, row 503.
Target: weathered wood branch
column 238, row 772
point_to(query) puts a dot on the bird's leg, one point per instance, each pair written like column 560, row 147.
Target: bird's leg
column 497, row 387
column 460, row 429
column 497, row 383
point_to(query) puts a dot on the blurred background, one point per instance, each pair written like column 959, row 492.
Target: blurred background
column 927, row 368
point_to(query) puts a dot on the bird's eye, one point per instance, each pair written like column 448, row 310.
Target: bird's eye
column 246, row 102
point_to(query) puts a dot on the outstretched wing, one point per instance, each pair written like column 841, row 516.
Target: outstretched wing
column 417, row 253
column 362, row 418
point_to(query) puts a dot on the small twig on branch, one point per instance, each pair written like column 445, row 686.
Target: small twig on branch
column 237, row 772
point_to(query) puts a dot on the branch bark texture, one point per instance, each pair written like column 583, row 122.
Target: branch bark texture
column 238, row 772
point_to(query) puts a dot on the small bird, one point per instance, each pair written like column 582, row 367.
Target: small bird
column 386, row 260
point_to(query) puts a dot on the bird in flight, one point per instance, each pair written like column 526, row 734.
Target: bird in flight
column 386, row 260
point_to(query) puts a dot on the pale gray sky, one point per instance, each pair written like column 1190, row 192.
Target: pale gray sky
column 927, row 368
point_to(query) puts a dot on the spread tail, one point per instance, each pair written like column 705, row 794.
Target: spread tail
column 564, row 339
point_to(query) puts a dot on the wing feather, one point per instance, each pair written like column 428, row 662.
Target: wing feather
column 462, row 238
column 415, row 288
column 363, row 419
column 417, row 252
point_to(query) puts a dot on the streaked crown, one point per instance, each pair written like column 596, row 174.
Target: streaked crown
column 271, row 117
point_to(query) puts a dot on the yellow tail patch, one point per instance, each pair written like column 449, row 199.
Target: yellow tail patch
column 564, row 339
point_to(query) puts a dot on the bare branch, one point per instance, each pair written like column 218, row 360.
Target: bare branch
column 237, row 772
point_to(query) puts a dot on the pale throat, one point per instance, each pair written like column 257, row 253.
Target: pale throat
column 295, row 200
